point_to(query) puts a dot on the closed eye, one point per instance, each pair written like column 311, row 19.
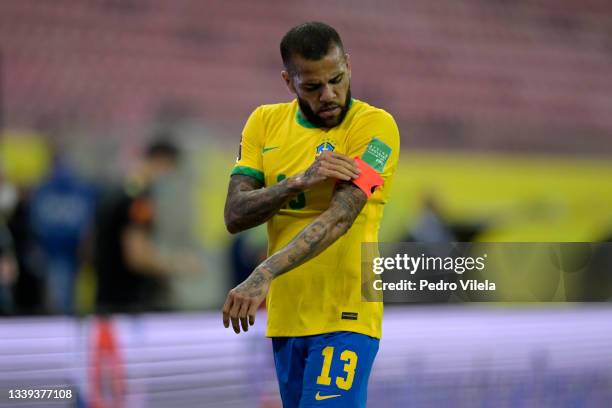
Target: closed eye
column 336, row 80
column 313, row 87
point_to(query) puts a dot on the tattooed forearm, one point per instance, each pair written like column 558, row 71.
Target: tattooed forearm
column 346, row 204
column 248, row 204
column 312, row 236
column 252, row 286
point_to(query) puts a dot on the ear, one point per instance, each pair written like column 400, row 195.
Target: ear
column 347, row 59
column 288, row 81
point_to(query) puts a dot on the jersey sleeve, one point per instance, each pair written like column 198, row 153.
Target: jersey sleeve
column 249, row 160
column 375, row 140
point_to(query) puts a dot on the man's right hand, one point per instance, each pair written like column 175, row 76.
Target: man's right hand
column 328, row 165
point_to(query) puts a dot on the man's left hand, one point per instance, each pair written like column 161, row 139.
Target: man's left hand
column 243, row 301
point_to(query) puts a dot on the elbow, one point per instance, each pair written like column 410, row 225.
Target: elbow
column 234, row 221
column 232, row 228
column 230, row 222
column 232, row 225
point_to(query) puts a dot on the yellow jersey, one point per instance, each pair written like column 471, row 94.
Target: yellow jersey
column 324, row 294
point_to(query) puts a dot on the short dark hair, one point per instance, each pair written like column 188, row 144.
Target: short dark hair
column 310, row 40
column 162, row 147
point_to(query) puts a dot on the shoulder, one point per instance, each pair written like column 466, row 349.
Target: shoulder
column 366, row 112
column 367, row 121
column 275, row 111
column 266, row 117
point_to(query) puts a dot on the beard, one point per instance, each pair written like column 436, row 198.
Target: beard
column 319, row 122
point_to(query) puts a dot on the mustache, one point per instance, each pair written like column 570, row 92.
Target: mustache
column 314, row 118
column 329, row 107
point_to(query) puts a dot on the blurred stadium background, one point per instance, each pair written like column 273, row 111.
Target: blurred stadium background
column 505, row 112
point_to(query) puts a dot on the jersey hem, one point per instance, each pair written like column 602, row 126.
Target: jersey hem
column 315, row 332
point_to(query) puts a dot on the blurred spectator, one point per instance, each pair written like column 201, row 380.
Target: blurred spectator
column 246, row 251
column 8, row 264
column 430, row 226
column 29, row 289
column 62, row 209
column 21, row 283
column 8, row 271
column 131, row 270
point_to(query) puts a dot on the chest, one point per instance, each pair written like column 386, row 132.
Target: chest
column 290, row 149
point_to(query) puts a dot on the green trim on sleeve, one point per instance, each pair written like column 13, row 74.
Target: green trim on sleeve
column 249, row 171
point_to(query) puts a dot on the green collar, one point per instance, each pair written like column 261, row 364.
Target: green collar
column 302, row 121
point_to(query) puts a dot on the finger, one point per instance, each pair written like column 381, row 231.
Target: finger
column 349, row 171
column 338, row 157
column 226, row 310
column 334, row 174
column 350, row 167
column 234, row 314
column 236, row 325
column 244, row 309
column 252, row 313
column 340, row 169
column 335, row 155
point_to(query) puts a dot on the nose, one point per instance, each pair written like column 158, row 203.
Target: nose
column 327, row 94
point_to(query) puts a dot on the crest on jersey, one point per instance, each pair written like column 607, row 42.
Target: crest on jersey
column 326, row 145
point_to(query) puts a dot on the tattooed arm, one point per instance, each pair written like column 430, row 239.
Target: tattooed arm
column 244, row 299
column 346, row 204
column 248, row 204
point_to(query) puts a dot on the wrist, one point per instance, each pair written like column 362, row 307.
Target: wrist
column 296, row 183
column 264, row 272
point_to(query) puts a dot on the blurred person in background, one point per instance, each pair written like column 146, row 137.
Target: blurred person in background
column 8, row 271
column 61, row 211
column 430, row 225
column 246, row 251
column 132, row 273
column 29, row 290
column 8, row 264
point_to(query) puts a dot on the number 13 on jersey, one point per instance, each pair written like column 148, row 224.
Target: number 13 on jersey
column 350, row 359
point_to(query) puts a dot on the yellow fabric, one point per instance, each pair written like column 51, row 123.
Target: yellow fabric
column 25, row 157
column 311, row 298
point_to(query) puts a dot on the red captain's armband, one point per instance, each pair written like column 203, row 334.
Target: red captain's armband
column 368, row 179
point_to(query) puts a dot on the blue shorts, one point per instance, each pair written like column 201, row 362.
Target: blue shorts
column 326, row 370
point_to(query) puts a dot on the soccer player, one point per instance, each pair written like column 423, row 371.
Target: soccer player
column 132, row 273
column 318, row 171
